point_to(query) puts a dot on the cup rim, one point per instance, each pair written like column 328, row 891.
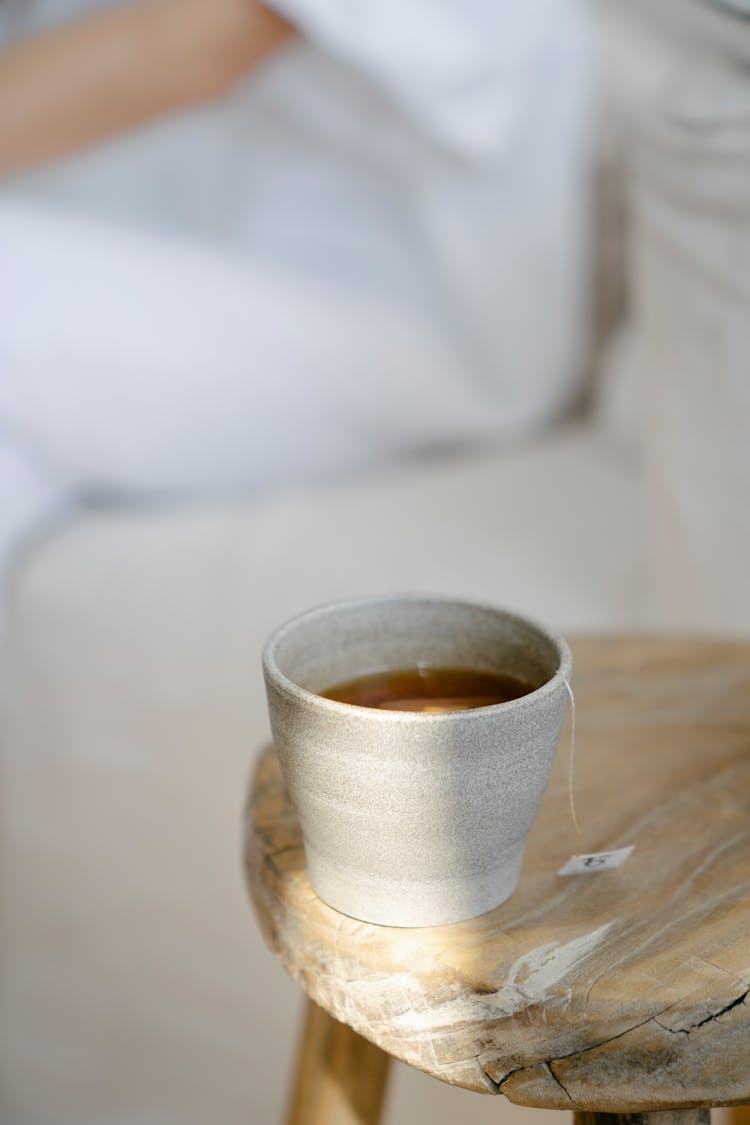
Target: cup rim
column 272, row 671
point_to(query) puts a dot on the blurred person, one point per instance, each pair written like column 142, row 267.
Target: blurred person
column 401, row 260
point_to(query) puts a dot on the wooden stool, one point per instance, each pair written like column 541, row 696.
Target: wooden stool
column 618, row 993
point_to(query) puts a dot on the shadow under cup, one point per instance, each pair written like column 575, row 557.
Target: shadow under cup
column 412, row 818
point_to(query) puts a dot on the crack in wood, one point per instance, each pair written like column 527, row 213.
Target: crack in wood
column 559, row 1082
column 500, row 1082
column 488, row 1076
column 722, row 1011
column 708, row 1019
column 547, row 1063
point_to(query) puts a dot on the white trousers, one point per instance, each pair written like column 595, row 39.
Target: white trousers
column 134, row 366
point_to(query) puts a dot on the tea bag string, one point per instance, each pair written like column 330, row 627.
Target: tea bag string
column 571, row 758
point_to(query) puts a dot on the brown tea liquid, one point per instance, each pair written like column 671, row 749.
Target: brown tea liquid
column 429, row 689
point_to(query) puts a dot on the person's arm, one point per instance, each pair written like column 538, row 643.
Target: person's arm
column 84, row 82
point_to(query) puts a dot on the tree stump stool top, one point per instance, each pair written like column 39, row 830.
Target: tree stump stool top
column 624, row 990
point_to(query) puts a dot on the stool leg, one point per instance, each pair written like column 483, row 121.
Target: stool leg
column 340, row 1077
column 660, row 1117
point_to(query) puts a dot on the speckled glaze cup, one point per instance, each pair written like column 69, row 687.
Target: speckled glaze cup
column 412, row 818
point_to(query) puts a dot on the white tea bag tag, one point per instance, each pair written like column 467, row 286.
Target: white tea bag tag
column 594, row 862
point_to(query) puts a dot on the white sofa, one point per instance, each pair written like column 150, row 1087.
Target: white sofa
column 136, row 990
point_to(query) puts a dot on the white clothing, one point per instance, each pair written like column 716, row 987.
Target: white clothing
column 403, row 197
column 187, row 371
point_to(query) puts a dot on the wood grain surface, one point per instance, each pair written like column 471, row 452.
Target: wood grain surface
column 625, row 991
column 341, row 1077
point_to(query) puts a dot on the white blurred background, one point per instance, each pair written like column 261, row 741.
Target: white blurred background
column 442, row 301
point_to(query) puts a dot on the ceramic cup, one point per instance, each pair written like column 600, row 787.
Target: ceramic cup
column 412, row 818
